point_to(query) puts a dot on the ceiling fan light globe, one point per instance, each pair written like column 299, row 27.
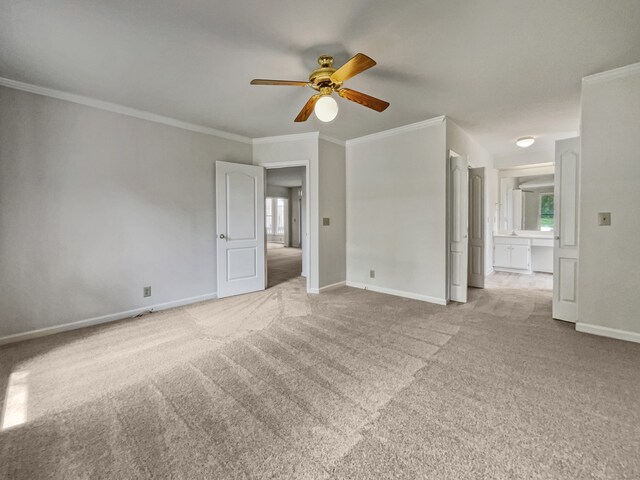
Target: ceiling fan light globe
column 326, row 109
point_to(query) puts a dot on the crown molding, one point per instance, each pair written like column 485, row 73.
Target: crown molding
column 172, row 122
column 524, row 167
column 286, row 138
column 632, row 69
column 396, row 131
column 115, row 108
column 298, row 136
column 337, row 141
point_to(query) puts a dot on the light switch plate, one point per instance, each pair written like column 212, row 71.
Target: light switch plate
column 325, row 221
column 604, row 218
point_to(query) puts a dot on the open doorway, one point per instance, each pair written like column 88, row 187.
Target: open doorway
column 535, row 242
column 285, row 224
column 524, row 242
column 468, row 227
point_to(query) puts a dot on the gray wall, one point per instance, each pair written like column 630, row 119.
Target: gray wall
column 333, row 238
column 96, row 205
column 396, row 212
column 608, row 273
column 276, row 191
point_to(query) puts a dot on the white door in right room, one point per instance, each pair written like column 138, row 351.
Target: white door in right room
column 566, row 228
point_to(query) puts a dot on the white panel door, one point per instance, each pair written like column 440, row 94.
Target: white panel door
column 566, row 213
column 476, row 227
column 458, row 241
column 240, row 228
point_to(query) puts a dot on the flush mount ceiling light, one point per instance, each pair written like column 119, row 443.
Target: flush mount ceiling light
column 525, row 142
column 326, row 109
column 326, row 80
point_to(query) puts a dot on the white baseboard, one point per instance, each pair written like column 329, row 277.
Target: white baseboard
column 18, row 337
column 397, row 293
column 317, row 291
column 513, row 270
column 608, row 332
column 332, row 286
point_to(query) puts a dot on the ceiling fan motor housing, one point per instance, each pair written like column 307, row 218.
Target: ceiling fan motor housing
column 320, row 78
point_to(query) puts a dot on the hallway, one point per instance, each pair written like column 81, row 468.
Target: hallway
column 283, row 263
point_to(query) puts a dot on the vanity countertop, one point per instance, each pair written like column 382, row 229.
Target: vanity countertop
column 525, row 235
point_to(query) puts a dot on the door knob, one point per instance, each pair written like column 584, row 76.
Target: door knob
column 222, row 236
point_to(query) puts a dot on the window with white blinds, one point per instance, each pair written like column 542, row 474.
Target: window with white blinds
column 268, row 208
column 275, row 215
column 280, row 217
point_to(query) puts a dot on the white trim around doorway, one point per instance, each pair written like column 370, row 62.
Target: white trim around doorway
column 306, row 251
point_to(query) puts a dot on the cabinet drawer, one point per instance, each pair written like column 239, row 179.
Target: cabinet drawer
column 510, row 241
column 542, row 242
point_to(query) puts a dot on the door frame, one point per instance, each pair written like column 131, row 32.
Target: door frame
column 305, row 244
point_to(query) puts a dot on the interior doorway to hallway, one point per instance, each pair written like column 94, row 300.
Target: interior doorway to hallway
column 285, row 224
column 283, row 263
column 467, row 227
column 523, row 243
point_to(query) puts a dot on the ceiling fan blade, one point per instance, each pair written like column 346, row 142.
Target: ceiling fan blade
column 363, row 99
column 307, row 109
column 355, row 65
column 290, row 83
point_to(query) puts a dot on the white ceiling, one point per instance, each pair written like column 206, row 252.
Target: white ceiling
column 285, row 177
column 501, row 69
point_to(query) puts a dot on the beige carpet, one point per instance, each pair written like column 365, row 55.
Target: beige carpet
column 347, row 384
column 536, row 280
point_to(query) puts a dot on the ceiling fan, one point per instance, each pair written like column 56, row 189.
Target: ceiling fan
column 327, row 80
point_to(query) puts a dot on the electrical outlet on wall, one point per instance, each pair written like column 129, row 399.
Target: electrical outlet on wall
column 604, row 219
column 146, row 291
column 372, row 274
